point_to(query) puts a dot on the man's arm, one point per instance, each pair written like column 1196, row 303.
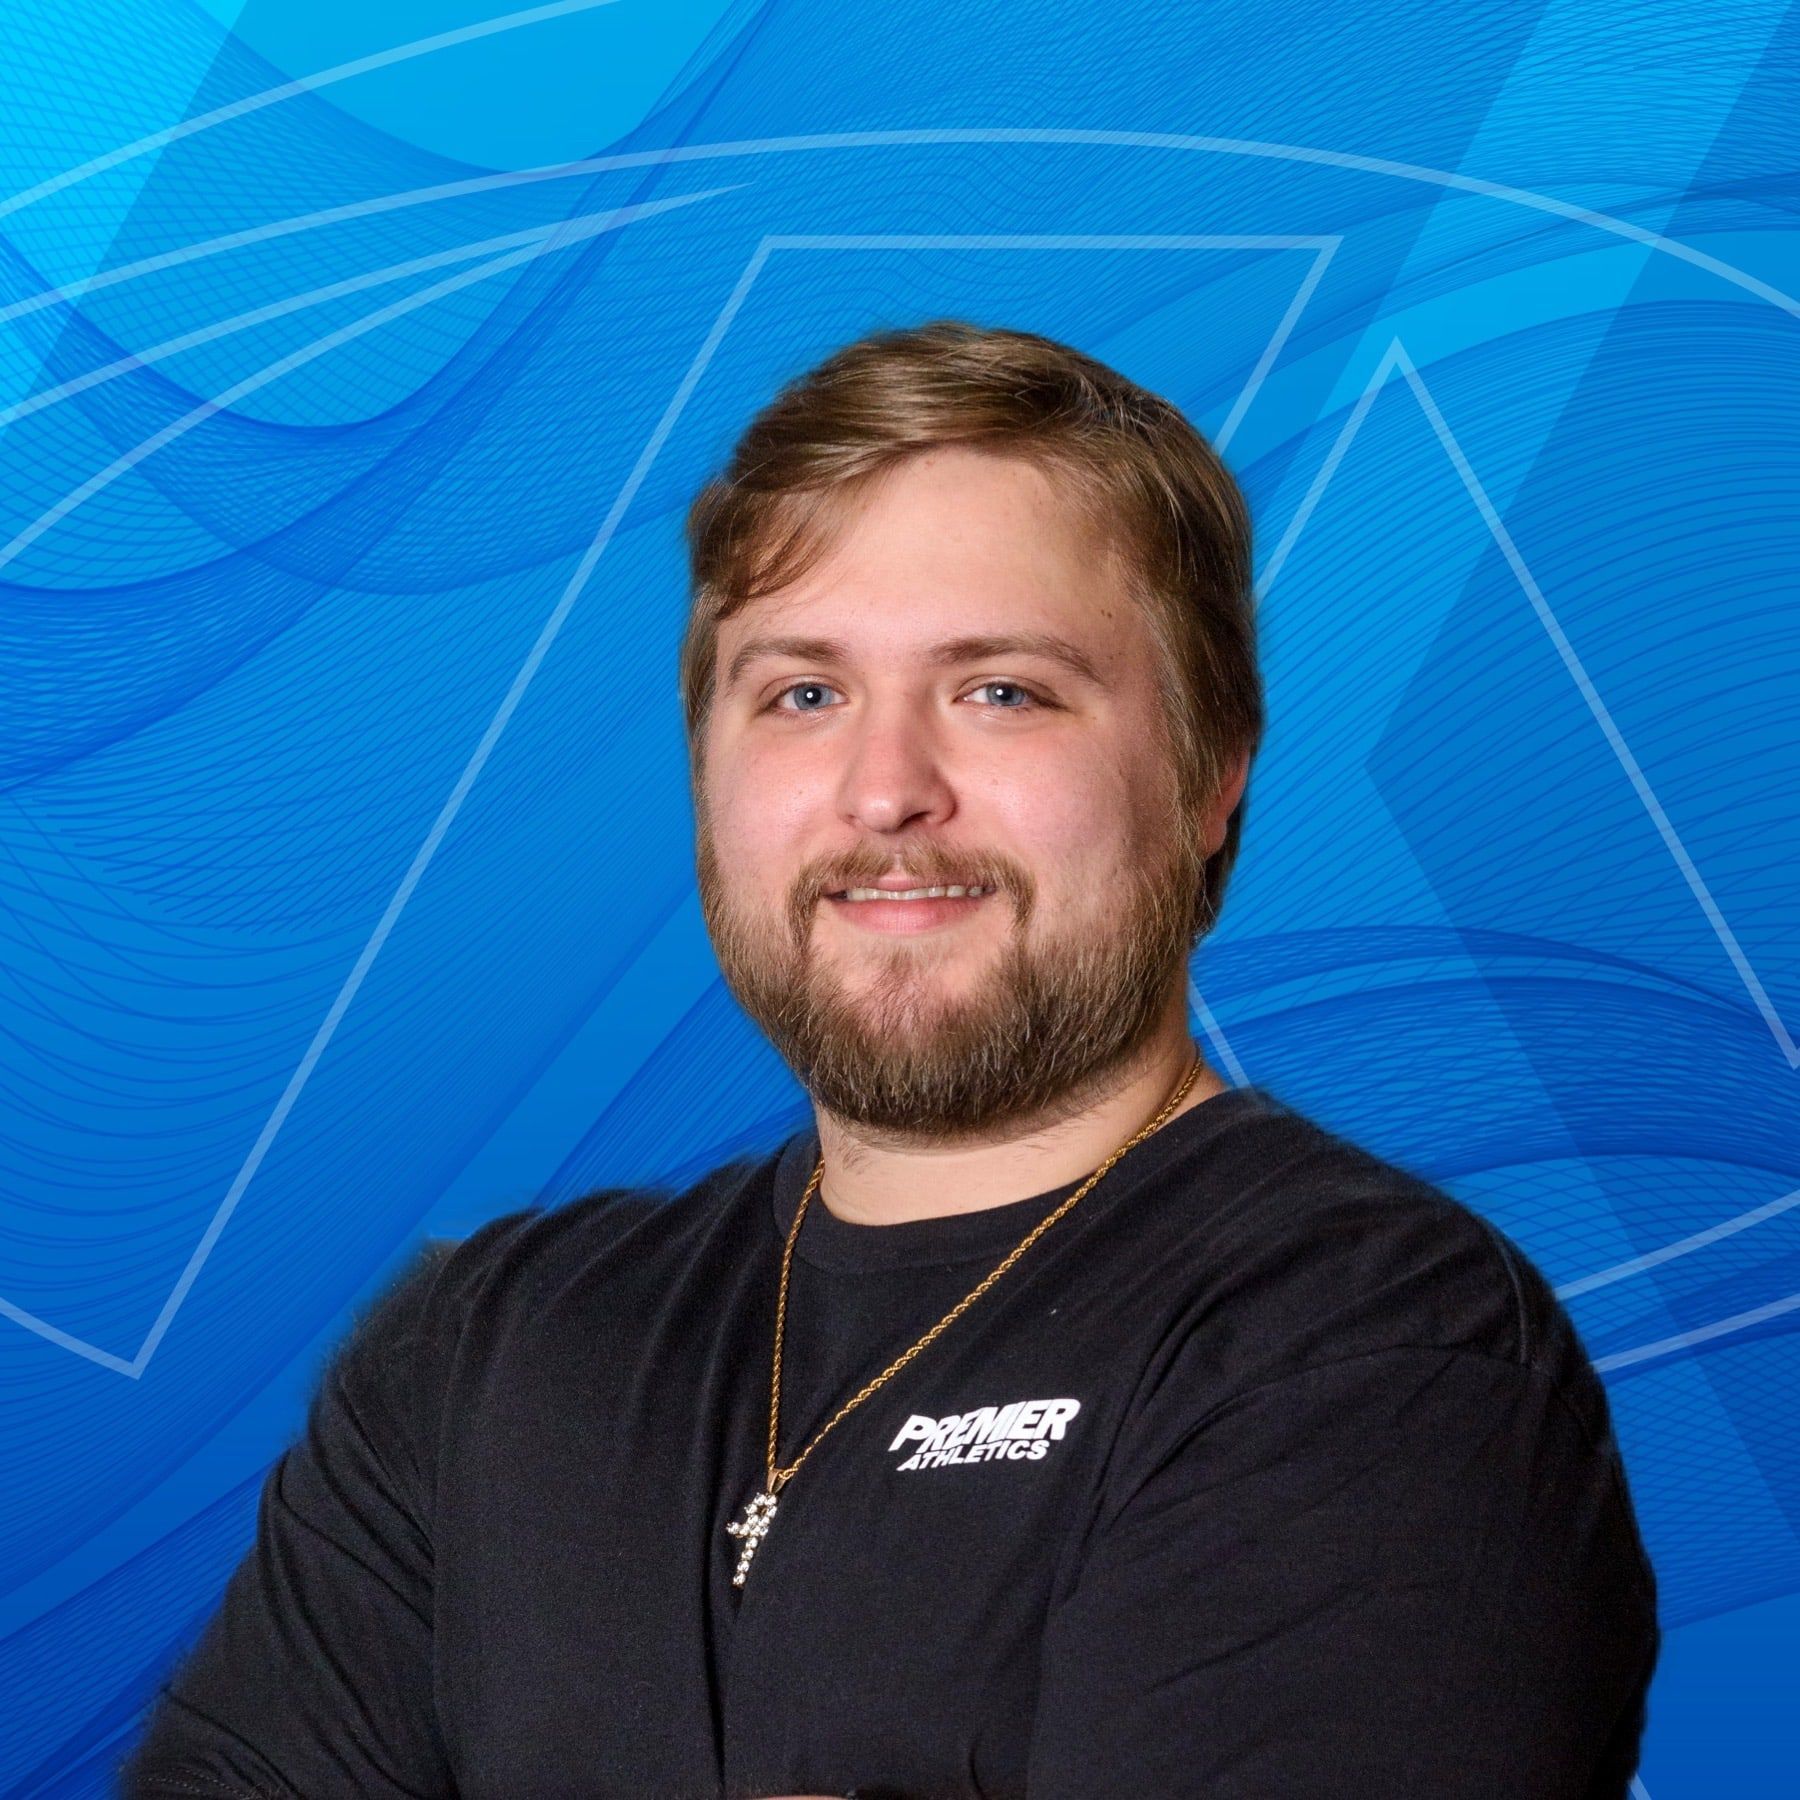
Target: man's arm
column 314, row 1677
column 1405, row 1573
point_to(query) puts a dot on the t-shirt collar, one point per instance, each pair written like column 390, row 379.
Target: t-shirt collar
column 828, row 1242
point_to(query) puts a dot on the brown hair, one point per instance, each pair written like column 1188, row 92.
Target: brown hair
column 1148, row 485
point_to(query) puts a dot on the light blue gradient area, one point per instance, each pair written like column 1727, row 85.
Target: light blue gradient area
column 344, row 830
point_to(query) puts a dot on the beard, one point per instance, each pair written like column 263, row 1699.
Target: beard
column 872, row 1039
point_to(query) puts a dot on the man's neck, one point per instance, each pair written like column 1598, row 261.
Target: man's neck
column 870, row 1180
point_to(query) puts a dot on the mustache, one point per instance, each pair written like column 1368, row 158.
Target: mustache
column 925, row 868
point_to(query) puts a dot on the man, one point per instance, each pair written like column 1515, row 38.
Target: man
column 1051, row 1417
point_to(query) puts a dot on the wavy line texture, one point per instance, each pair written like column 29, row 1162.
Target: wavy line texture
column 345, row 872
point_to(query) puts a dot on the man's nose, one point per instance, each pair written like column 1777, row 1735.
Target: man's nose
column 894, row 774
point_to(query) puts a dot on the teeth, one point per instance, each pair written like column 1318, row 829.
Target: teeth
column 927, row 893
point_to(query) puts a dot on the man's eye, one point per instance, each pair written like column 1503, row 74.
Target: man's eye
column 802, row 687
column 1032, row 698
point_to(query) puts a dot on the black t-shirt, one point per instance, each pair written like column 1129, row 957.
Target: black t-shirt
column 1268, row 1470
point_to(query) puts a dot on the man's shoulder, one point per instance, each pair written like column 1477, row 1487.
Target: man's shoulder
column 1320, row 1248
column 518, row 1256
column 454, row 1306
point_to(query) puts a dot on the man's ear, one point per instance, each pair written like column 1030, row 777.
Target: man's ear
column 1219, row 814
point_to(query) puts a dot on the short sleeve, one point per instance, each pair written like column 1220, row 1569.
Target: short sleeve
column 315, row 1675
column 1407, row 1572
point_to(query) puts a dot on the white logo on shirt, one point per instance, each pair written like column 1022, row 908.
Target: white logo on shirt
column 1021, row 1432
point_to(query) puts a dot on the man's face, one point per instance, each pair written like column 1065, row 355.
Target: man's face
column 860, row 736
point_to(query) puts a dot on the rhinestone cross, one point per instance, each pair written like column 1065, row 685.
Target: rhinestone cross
column 753, row 1527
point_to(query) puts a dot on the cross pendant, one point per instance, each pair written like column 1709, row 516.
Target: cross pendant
column 752, row 1528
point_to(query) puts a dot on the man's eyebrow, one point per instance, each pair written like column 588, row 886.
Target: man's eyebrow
column 802, row 649
column 973, row 648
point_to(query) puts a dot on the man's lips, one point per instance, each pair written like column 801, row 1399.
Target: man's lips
column 901, row 916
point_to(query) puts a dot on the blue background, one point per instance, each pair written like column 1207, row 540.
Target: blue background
column 357, row 363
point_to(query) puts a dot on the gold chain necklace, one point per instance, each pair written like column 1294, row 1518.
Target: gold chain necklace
column 759, row 1510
